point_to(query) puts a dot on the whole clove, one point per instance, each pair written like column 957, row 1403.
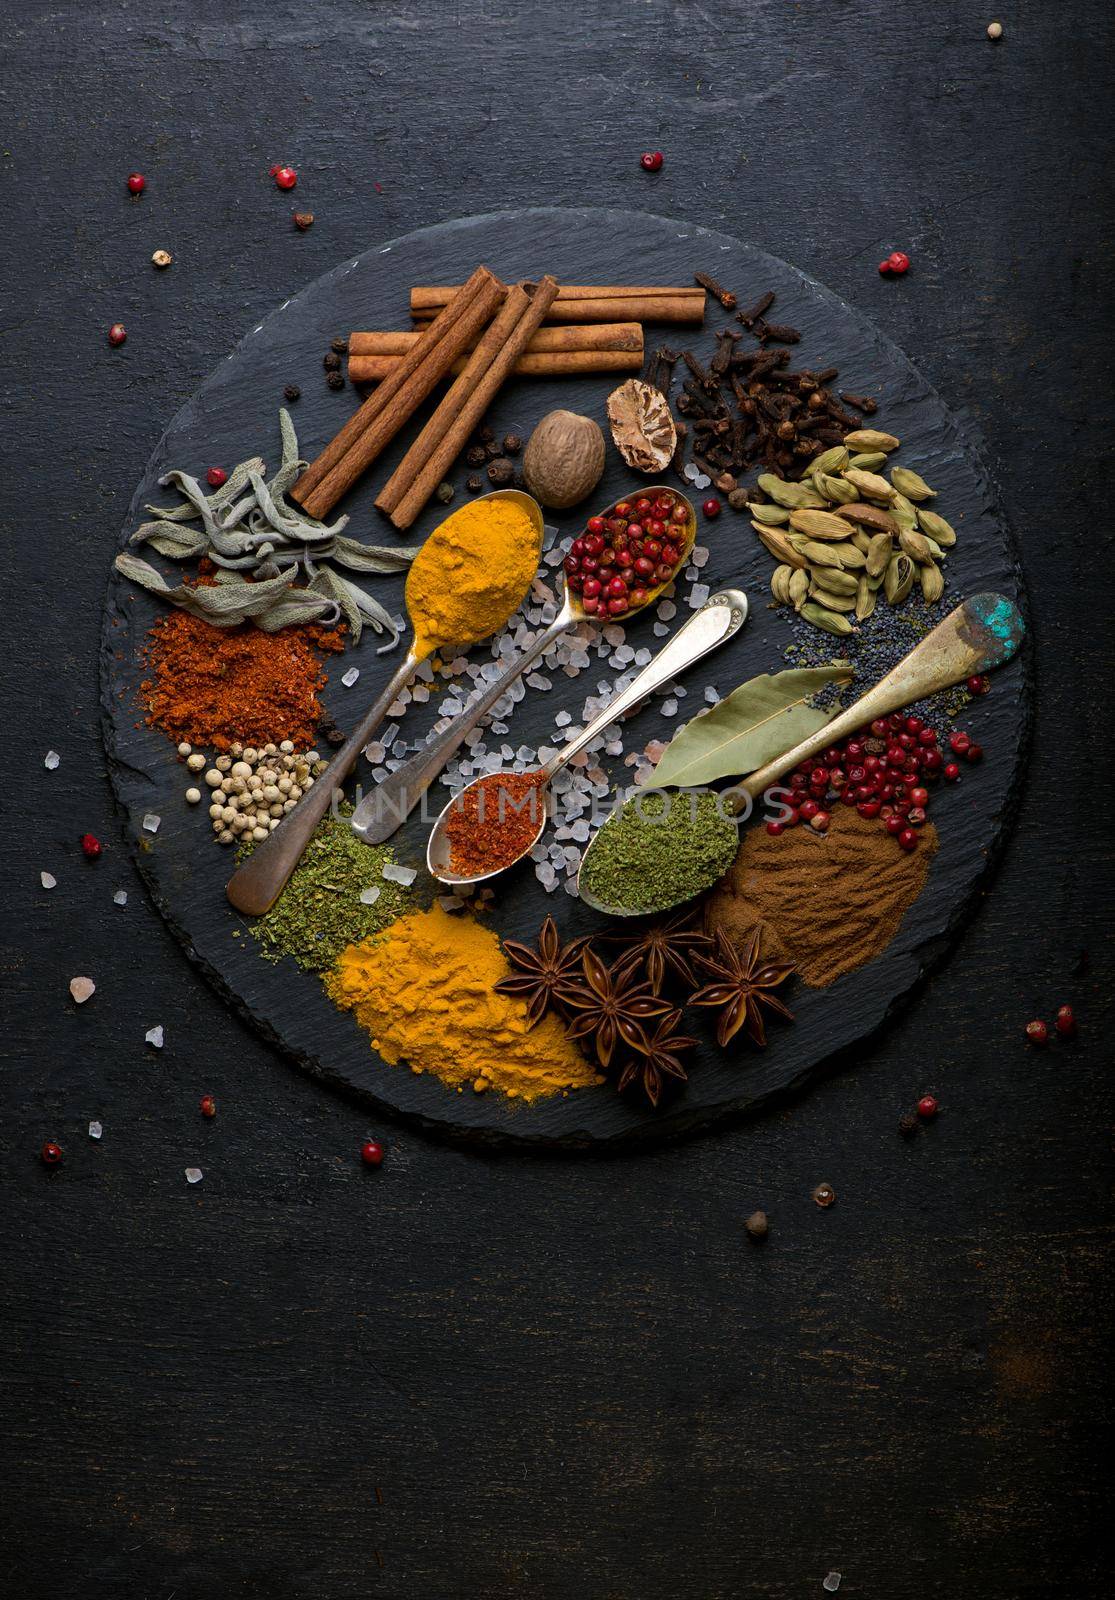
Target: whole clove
column 860, row 402
column 718, row 292
column 763, row 304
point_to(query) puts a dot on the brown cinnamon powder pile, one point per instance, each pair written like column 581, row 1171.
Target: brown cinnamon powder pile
column 829, row 902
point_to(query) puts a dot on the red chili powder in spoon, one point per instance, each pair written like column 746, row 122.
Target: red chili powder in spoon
column 494, row 821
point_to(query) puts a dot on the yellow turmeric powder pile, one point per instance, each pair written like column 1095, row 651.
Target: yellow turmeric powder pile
column 471, row 574
column 425, row 991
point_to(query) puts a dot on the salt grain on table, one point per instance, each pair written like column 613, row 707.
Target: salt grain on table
column 81, row 989
column 95, row 1130
column 349, row 678
column 712, row 695
column 368, row 897
column 151, row 822
column 699, row 555
column 698, row 595
column 831, row 1582
column 120, row 898
column 660, row 630
column 193, row 1174
column 48, row 880
column 393, row 873
column 666, row 609
column 154, row 1036
column 51, row 760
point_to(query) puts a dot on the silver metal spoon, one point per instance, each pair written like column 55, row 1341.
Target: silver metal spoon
column 382, row 812
column 722, row 615
column 981, row 634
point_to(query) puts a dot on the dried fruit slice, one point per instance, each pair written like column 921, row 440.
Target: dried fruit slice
column 642, row 426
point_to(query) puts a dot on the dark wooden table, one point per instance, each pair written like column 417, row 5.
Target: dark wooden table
column 471, row 1376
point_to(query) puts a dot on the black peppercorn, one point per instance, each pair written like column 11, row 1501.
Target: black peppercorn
column 331, row 361
column 292, row 392
column 335, row 380
column 512, row 444
column 339, row 346
column 444, row 492
column 476, row 456
column 330, row 732
column 518, row 481
column 474, row 484
column 485, row 434
column 500, row 471
column 493, row 450
column 907, row 1125
column 303, row 220
column 757, row 1226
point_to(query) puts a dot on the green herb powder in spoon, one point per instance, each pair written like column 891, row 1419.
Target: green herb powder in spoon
column 661, row 848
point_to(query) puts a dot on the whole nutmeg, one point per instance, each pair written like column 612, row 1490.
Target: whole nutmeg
column 564, row 459
column 500, row 471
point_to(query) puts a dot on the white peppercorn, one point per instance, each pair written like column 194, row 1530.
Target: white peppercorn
column 193, row 796
column 184, row 748
column 196, row 762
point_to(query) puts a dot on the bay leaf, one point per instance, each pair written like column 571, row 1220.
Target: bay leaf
column 753, row 725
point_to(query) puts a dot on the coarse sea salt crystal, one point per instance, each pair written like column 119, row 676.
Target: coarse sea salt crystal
column 712, row 695
column 349, row 678
column 831, row 1582
column 660, row 630
column 699, row 555
column 151, row 822
column 81, row 989
column 154, row 1036
column 368, row 897
column 51, row 760
column 120, row 898
column 393, row 873
column 701, row 481
column 374, row 752
column 698, row 595
column 193, row 1174
column 691, row 471
column 666, row 609
column 669, row 708
column 48, row 880
column 95, row 1130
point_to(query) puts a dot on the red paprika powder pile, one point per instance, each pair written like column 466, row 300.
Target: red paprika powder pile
column 213, row 686
column 494, row 821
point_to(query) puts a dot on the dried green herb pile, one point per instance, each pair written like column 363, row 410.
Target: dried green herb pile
column 659, row 850
column 337, row 895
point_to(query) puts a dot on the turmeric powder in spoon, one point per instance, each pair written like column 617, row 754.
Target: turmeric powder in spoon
column 473, row 571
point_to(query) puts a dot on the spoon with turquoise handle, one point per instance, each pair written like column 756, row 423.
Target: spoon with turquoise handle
column 983, row 633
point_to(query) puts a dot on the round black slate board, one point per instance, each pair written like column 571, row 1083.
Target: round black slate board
column 234, row 415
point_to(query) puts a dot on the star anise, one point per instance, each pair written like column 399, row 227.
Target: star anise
column 741, row 981
column 657, row 1058
column 610, row 1005
column 545, row 972
column 666, row 948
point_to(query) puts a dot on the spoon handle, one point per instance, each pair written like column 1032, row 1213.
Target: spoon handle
column 982, row 633
column 718, row 619
column 382, row 812
column 255, row 887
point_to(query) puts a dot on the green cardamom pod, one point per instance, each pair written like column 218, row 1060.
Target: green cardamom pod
column 818, row 524
column 899, row 579
column 937, row 528
column 868, row 461
column 834, row 489
column 799, row 587
column 835, row 580
column 780, row 585
column 787, row 494
column 915, row 544
column 878, row 554
column 830, row 601
column 871, row 439
column 911, row 485
column 849, row 555
column 865, row 598
column 831, row 460
column 773, row 516
column 861, row 540
column 874, row 580
column 779, row 546
column 870, row 516
column 932, row 583
column 818, row 555
column 870, row 484
column 934, row 548
column 830, row 621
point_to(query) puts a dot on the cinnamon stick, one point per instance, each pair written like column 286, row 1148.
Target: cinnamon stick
column 381, row 416
column 593, row 303
column 567, row 336
column 534, row 364
column 444, row 436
